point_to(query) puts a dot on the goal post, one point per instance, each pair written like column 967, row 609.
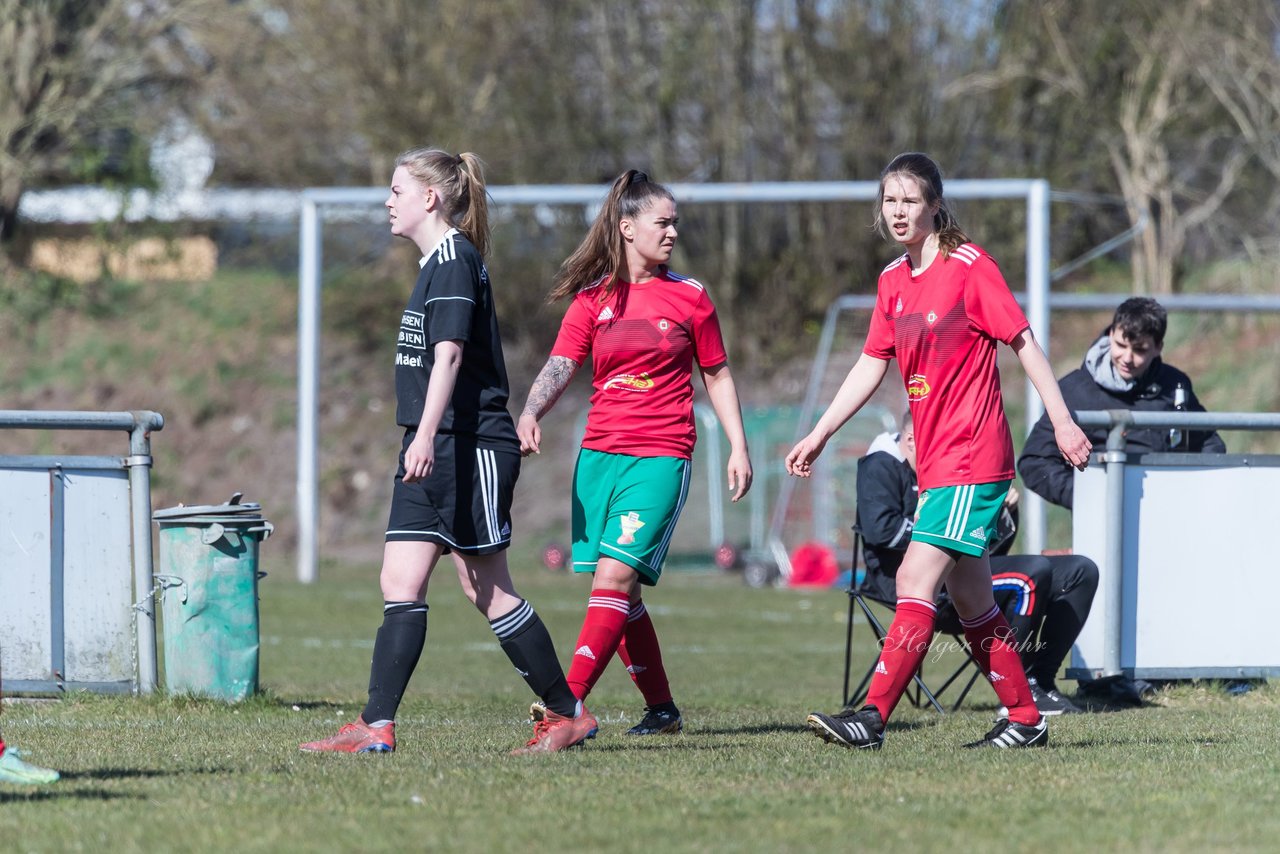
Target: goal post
column 316, row 202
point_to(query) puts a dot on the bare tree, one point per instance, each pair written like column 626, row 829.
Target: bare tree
column 63, row 64
column 1145, row 82
column 1177, row 158
column 1244, row 75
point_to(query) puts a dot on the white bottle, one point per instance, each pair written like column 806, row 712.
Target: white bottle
column 1176, row 435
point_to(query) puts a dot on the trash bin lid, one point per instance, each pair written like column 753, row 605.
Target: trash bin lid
column 186, row 511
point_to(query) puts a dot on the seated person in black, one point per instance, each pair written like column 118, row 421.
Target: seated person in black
column 1045, row 599
column 1122, row 370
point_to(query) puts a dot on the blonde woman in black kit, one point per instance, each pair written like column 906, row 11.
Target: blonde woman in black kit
column 458, row 462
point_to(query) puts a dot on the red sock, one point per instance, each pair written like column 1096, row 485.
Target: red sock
column 601, row 633
column 905, row 646
column 642, row 656
column 988, row 638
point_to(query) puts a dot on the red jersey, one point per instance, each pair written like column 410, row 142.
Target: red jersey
column 643, row 341
column 942, row 326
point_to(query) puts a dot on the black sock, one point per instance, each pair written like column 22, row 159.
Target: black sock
column 527, row 643
column 395, row 654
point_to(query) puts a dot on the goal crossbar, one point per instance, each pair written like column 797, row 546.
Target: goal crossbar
column 315, row 201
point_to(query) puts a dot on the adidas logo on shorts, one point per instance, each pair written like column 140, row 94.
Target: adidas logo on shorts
column 978, row 533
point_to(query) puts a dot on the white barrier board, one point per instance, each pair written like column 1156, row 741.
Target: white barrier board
column 1197, row 549
column 66, row 579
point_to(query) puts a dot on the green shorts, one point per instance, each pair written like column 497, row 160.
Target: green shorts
column 960, row 518
column 626, row 508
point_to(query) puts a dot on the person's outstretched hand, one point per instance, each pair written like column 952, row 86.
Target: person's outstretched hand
column 800, row 460
column 1073, row 443
column 530, row 435
column 740, row 474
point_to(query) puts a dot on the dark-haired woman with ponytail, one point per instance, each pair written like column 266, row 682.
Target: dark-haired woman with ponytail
column 644, row 328
column 941, row 308
column 458, row 462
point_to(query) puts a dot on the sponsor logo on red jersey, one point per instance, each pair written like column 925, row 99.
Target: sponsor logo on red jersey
column 630, row 382
column 917, row 387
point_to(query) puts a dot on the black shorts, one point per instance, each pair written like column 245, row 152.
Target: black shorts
column 464, row 504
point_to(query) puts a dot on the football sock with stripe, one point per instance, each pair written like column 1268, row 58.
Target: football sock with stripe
column 396, row 651
column 598, row 640
column 987, row 638
column 526, row 641
column 905, row 646
column 642, row 656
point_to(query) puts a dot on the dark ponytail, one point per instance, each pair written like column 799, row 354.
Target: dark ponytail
column 603, row 253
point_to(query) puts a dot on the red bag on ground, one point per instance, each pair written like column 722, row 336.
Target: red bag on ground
column 813, row 565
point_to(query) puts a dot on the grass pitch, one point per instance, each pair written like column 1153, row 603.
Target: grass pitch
column 1196, row 770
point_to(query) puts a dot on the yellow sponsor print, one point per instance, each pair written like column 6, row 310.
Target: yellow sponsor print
column 630, row 382
column 917, row 387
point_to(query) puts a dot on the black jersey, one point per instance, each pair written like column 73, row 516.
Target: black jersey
column 453, row 301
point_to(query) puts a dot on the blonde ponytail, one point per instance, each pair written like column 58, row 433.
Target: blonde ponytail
column 460, row 182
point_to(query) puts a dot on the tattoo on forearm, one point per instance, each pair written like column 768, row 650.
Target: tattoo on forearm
column 550, row 384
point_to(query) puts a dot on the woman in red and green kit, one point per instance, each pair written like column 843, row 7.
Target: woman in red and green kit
column 941, row 309
column 645, row 328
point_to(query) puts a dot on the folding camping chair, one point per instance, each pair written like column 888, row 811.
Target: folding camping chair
column 918, row 693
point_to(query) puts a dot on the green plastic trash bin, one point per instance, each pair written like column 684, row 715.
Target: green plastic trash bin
column 209, row 597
